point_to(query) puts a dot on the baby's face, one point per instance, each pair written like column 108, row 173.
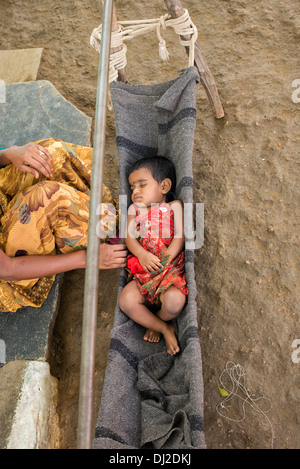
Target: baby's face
column 145, row 189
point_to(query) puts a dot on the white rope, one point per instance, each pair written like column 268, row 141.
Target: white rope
column 183, row 26
column 237, row 375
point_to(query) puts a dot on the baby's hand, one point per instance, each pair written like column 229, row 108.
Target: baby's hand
column 150, row 262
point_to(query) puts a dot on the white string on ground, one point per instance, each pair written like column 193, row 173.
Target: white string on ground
column 237, row 375
column 183, row 26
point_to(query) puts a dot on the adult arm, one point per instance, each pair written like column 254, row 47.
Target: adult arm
column 29, row 267
column 30, row 158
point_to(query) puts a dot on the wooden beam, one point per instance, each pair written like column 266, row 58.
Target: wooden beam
column 175, row 9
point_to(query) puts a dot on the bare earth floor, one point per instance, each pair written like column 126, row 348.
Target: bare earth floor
column 246, row 172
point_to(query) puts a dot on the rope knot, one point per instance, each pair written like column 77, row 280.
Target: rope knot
column 162, row 48
column 162, row 21
column 183, row 26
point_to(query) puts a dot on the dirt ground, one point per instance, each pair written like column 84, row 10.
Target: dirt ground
column 246, row 172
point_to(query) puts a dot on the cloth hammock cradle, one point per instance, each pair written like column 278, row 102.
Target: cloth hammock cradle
column 151, row 399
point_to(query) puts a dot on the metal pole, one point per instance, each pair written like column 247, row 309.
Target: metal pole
column 87, row 370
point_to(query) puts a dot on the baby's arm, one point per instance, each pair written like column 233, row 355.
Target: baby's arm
column 177, row 244
column 148, row 261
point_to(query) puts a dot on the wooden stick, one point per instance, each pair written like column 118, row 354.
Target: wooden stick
column 175, row 9
column 122, row 72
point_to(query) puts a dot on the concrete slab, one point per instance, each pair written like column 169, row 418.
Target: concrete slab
column 28, row 419
column 36, row 110
column 19, row 65
column 11, row 379
column 28, row 406
column 27, row 333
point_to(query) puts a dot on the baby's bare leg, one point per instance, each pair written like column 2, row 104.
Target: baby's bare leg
column 172, row 303
column 131, row 302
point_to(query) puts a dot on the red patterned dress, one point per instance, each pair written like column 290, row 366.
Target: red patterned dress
column 156, row 231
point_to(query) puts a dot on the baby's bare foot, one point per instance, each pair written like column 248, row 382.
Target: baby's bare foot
column 171, row 341
column 152, row 336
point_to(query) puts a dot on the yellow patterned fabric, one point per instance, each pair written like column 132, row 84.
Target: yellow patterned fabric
column 48, row 216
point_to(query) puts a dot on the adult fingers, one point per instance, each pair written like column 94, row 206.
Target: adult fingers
column 41, row 160
column 118, row 265
column 39, row 166
column 28, row 169
column 45, row 151
column 112, row 256
column 119, row 247
column 120, row 254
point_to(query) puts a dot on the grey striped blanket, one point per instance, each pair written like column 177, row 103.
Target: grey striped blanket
column 151, row 399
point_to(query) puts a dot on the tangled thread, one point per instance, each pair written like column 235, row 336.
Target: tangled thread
column 237, row 375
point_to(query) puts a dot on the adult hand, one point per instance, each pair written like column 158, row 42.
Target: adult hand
column 31, row 158
column 112, row 256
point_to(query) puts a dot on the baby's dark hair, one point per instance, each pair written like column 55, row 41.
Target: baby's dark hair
column 160, row 168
